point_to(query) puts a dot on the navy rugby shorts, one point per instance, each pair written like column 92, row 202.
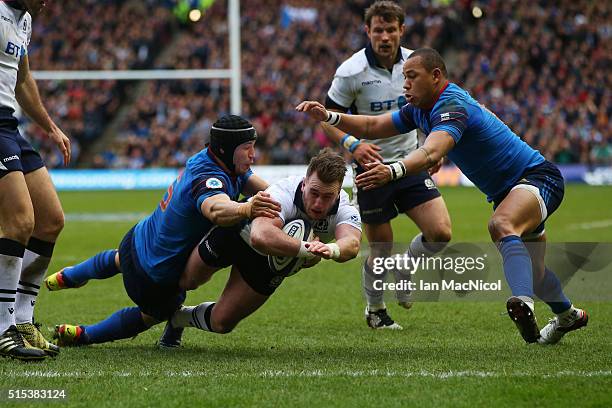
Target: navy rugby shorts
column 381, row 205
column 153, row 299
column 16, row 153
column 546, row 183
column 223, row 247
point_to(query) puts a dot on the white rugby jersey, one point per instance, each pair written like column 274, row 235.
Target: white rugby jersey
column 288, row 192
column 368, row 89
column 15, row 33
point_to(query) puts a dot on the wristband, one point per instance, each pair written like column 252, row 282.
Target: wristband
column 303, row 251
column 335, row 250
column 398, row 170
column 333, row 118
column 349, row 142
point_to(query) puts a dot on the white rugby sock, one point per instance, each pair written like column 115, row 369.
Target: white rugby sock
column 11, row 258
column 373, row 297
column 194, row 316
column 32, row 272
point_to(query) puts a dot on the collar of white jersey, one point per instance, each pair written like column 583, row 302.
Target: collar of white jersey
column 298, row 201
column 371, row 57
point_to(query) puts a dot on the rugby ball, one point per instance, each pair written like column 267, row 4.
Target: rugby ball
column 299, row 229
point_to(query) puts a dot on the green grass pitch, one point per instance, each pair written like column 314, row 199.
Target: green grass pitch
column 309, row 344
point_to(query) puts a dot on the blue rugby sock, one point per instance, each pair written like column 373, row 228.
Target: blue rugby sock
column 550, row 291
column 100, row 266
column 122, row 324
column 517, row 265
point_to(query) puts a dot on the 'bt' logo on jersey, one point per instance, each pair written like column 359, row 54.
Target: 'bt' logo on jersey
column 14, row 49
column 388, row 105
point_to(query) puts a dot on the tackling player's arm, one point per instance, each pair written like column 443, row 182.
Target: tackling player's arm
column 222, row 211
column 362, row 126
column 344, row 249
column 268, row 237
column 26, row 93
column 436, row 146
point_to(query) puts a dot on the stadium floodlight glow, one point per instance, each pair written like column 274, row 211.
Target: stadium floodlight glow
column 195, row 15
column 477, row 12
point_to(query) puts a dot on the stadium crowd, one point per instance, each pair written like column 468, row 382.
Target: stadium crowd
column 101, row 35
column 543, row 68
column 540, row 66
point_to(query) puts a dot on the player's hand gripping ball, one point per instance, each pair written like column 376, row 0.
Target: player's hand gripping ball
column 299, row 229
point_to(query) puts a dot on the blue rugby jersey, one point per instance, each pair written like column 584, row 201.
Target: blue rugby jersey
column 491, row 155
column 165, row 238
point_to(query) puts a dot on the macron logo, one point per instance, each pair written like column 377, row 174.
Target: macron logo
column 444, row 116
column 11, row 158
column 372, row 82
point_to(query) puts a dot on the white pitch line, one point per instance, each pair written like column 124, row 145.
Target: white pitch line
column 591, row 225
column 304, row 374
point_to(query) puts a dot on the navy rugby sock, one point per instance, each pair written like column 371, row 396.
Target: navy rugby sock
column 517, row 265
column 122, row 324
column 550, row 291
column 100, row 266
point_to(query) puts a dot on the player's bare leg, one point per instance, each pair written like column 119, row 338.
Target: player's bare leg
column 196, row 272
column 237, row 302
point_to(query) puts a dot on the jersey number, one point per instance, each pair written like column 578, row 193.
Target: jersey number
column 163, row 204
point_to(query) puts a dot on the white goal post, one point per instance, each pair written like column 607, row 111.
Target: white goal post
column 233, row 73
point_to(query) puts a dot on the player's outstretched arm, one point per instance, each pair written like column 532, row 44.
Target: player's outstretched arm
column 362, row 152
column 344, row 249
column 436, row 146
column 222, row 211
column 361, row 126
column 268, row 238
column 26, row 93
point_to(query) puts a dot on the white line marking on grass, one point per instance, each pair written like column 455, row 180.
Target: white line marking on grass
column 590, row 225
column 305, row 374
column 106, row 217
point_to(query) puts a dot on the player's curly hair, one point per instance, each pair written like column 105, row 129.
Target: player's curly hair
column 329, row 166
column 388, row 10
